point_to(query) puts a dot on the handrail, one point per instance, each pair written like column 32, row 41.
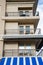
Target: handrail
column 21, row 13
column 30, row 52
column 23, row 31
column 40, row 52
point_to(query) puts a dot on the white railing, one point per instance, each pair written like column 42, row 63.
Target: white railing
column 21, row 14
column 22, row 31
column 19, row 52
column 40, row 53
column 22, row 52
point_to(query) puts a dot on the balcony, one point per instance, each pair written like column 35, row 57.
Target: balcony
column 16, row 34
column 23, row 31
column 20, row 14
column 21, row 52
column 22, row 18
column 25, row 16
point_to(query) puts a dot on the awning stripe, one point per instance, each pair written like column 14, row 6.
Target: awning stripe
column 8, row 61
column 40, row 61
column 42, row 58
column 14, row 61
column 11, row 61
column 34, row 61
column 27, row 61
column 37, row 61
column 30, row 61
column 22, row 61
column 5, row 61
column 17, row 60
column 2, row 61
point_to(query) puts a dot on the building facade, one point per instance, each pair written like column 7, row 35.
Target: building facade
column 19, row 35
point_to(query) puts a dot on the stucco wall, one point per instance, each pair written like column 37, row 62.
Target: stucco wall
column 13, row 7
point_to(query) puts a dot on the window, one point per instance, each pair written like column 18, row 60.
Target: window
column 27, row 13
column 21, row 46
column 24, row 13
column 24, row 49
column 24, row 29
column 28, row 49
column 20, row 13
column 27, row 29
column 21, row 49
column 21, row 29
column 28, row 46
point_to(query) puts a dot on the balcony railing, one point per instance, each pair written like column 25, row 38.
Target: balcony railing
column 21, row 52
column 23, row 31
column 18, row 52
column 21, row 14
column 40, row 53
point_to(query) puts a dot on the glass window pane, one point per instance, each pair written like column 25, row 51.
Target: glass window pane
column 21, row 48
column 28, row 46
column 21, row 29
column 27, row 29
column 27, row 13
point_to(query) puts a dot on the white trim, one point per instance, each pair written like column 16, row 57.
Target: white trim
column 30, row 60
column 5, row 61
column 42, row 58
column 37, row 61
column 24, row 61
column 18, row 61
column 40, row 52
column 11, row 61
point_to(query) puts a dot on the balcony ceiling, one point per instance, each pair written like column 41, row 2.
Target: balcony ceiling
column 35, row 41
column 20, row 0
column 23, row 20
column 23, row 38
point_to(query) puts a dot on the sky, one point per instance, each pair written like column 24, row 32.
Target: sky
column 40, row 9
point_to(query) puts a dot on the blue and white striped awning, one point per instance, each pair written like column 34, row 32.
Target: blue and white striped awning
column 22, row 61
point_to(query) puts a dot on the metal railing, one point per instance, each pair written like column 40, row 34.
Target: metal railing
column 23, row 31
column 21, row 52
column 40, row 53
column 21, row 14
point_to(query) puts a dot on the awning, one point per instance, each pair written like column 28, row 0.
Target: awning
column 21, row 61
